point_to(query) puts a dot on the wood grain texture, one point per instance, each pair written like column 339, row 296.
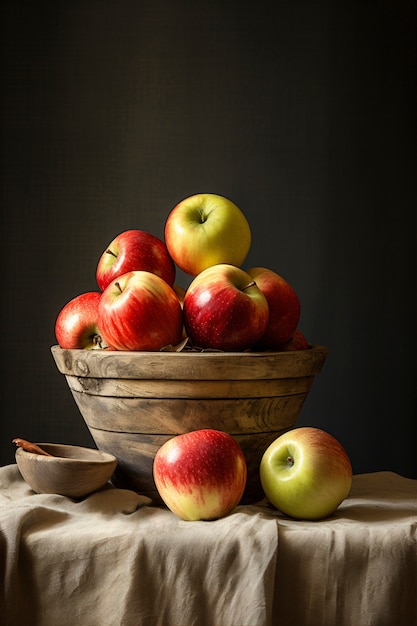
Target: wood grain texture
column 132, row 402
column 190, row 365
column 171, row 417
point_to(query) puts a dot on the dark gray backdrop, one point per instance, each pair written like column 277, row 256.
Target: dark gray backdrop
column 303, row 113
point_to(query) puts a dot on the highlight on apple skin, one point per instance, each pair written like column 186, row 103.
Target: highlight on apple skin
column 204, row 230
column 200, row 475
column 306, row 473
column 224, row 309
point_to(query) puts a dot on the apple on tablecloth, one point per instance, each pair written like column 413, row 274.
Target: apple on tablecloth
column 140, row 311
column 200, row 475
column 306, row 473
column 134, row 250
column 76, row 325
column 204, row 230
column 224, row 309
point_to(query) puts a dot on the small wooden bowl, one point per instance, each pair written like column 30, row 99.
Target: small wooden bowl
column 72, row 471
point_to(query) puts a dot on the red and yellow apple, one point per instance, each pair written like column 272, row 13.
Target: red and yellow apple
column 200, row 475
column 284, row 307
column 306, row 473
column 134, row 250
column 204, row 230
column 140, row 311
column 224, row 309
column 76, row 326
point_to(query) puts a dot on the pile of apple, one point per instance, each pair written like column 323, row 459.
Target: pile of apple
column 140, row 307
column 305, row 473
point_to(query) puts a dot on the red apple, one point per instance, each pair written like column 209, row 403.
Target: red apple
column 206, row 229
column 76, row 325
column 140, row 311
column 306, row 473
column 284, row 307
column 297, row 342
column 134, row 250
column 200, row 475
column 224, row 309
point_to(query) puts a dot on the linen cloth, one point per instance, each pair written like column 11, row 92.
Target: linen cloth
column 110, row 559
column 113, row 559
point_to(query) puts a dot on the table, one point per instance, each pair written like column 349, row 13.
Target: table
column 114, row 559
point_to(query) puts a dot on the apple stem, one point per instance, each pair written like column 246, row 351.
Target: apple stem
column 117, row 284
column 251, row 284
column 108, row 251
column 290, row 460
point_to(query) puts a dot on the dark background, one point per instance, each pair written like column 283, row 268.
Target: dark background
column 302, row 113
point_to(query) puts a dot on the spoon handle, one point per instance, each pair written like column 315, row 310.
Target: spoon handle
column 29, row 447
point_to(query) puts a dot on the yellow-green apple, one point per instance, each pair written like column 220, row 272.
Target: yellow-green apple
column 224, row 309
column 200, row 475
column 306, row 473
column 134, row 250
column 140, row 311
column 207, row 229
column 76, row 326
column 284, row 307
column 297, row 342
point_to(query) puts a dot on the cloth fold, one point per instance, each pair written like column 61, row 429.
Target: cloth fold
column 114, row 559
column 359, row 566
column 110, row 559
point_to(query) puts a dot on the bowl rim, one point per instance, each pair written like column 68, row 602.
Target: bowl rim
column 102, row 457
column 206, row 353
column 188, row 364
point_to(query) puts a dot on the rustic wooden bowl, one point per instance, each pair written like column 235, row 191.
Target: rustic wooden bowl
column 132, row 402
column 72, row 471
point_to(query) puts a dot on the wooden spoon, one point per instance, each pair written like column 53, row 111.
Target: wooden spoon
column 30, row 447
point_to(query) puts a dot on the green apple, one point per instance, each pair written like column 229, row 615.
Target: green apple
column 204, row 230
column 306, row 473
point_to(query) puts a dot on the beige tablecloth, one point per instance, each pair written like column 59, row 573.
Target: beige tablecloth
column 112, row 559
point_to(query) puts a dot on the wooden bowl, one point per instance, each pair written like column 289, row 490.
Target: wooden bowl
column 132, row 402
column 72, row 471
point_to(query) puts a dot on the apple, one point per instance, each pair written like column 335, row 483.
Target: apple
column 204, row 230
column 76, row 325
column 306, row 473
column 180, row 291
column 134, row 250
column 140, row 311
column 224, row 309
column 200, row 475
column 284, row 307
column 297, row 342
